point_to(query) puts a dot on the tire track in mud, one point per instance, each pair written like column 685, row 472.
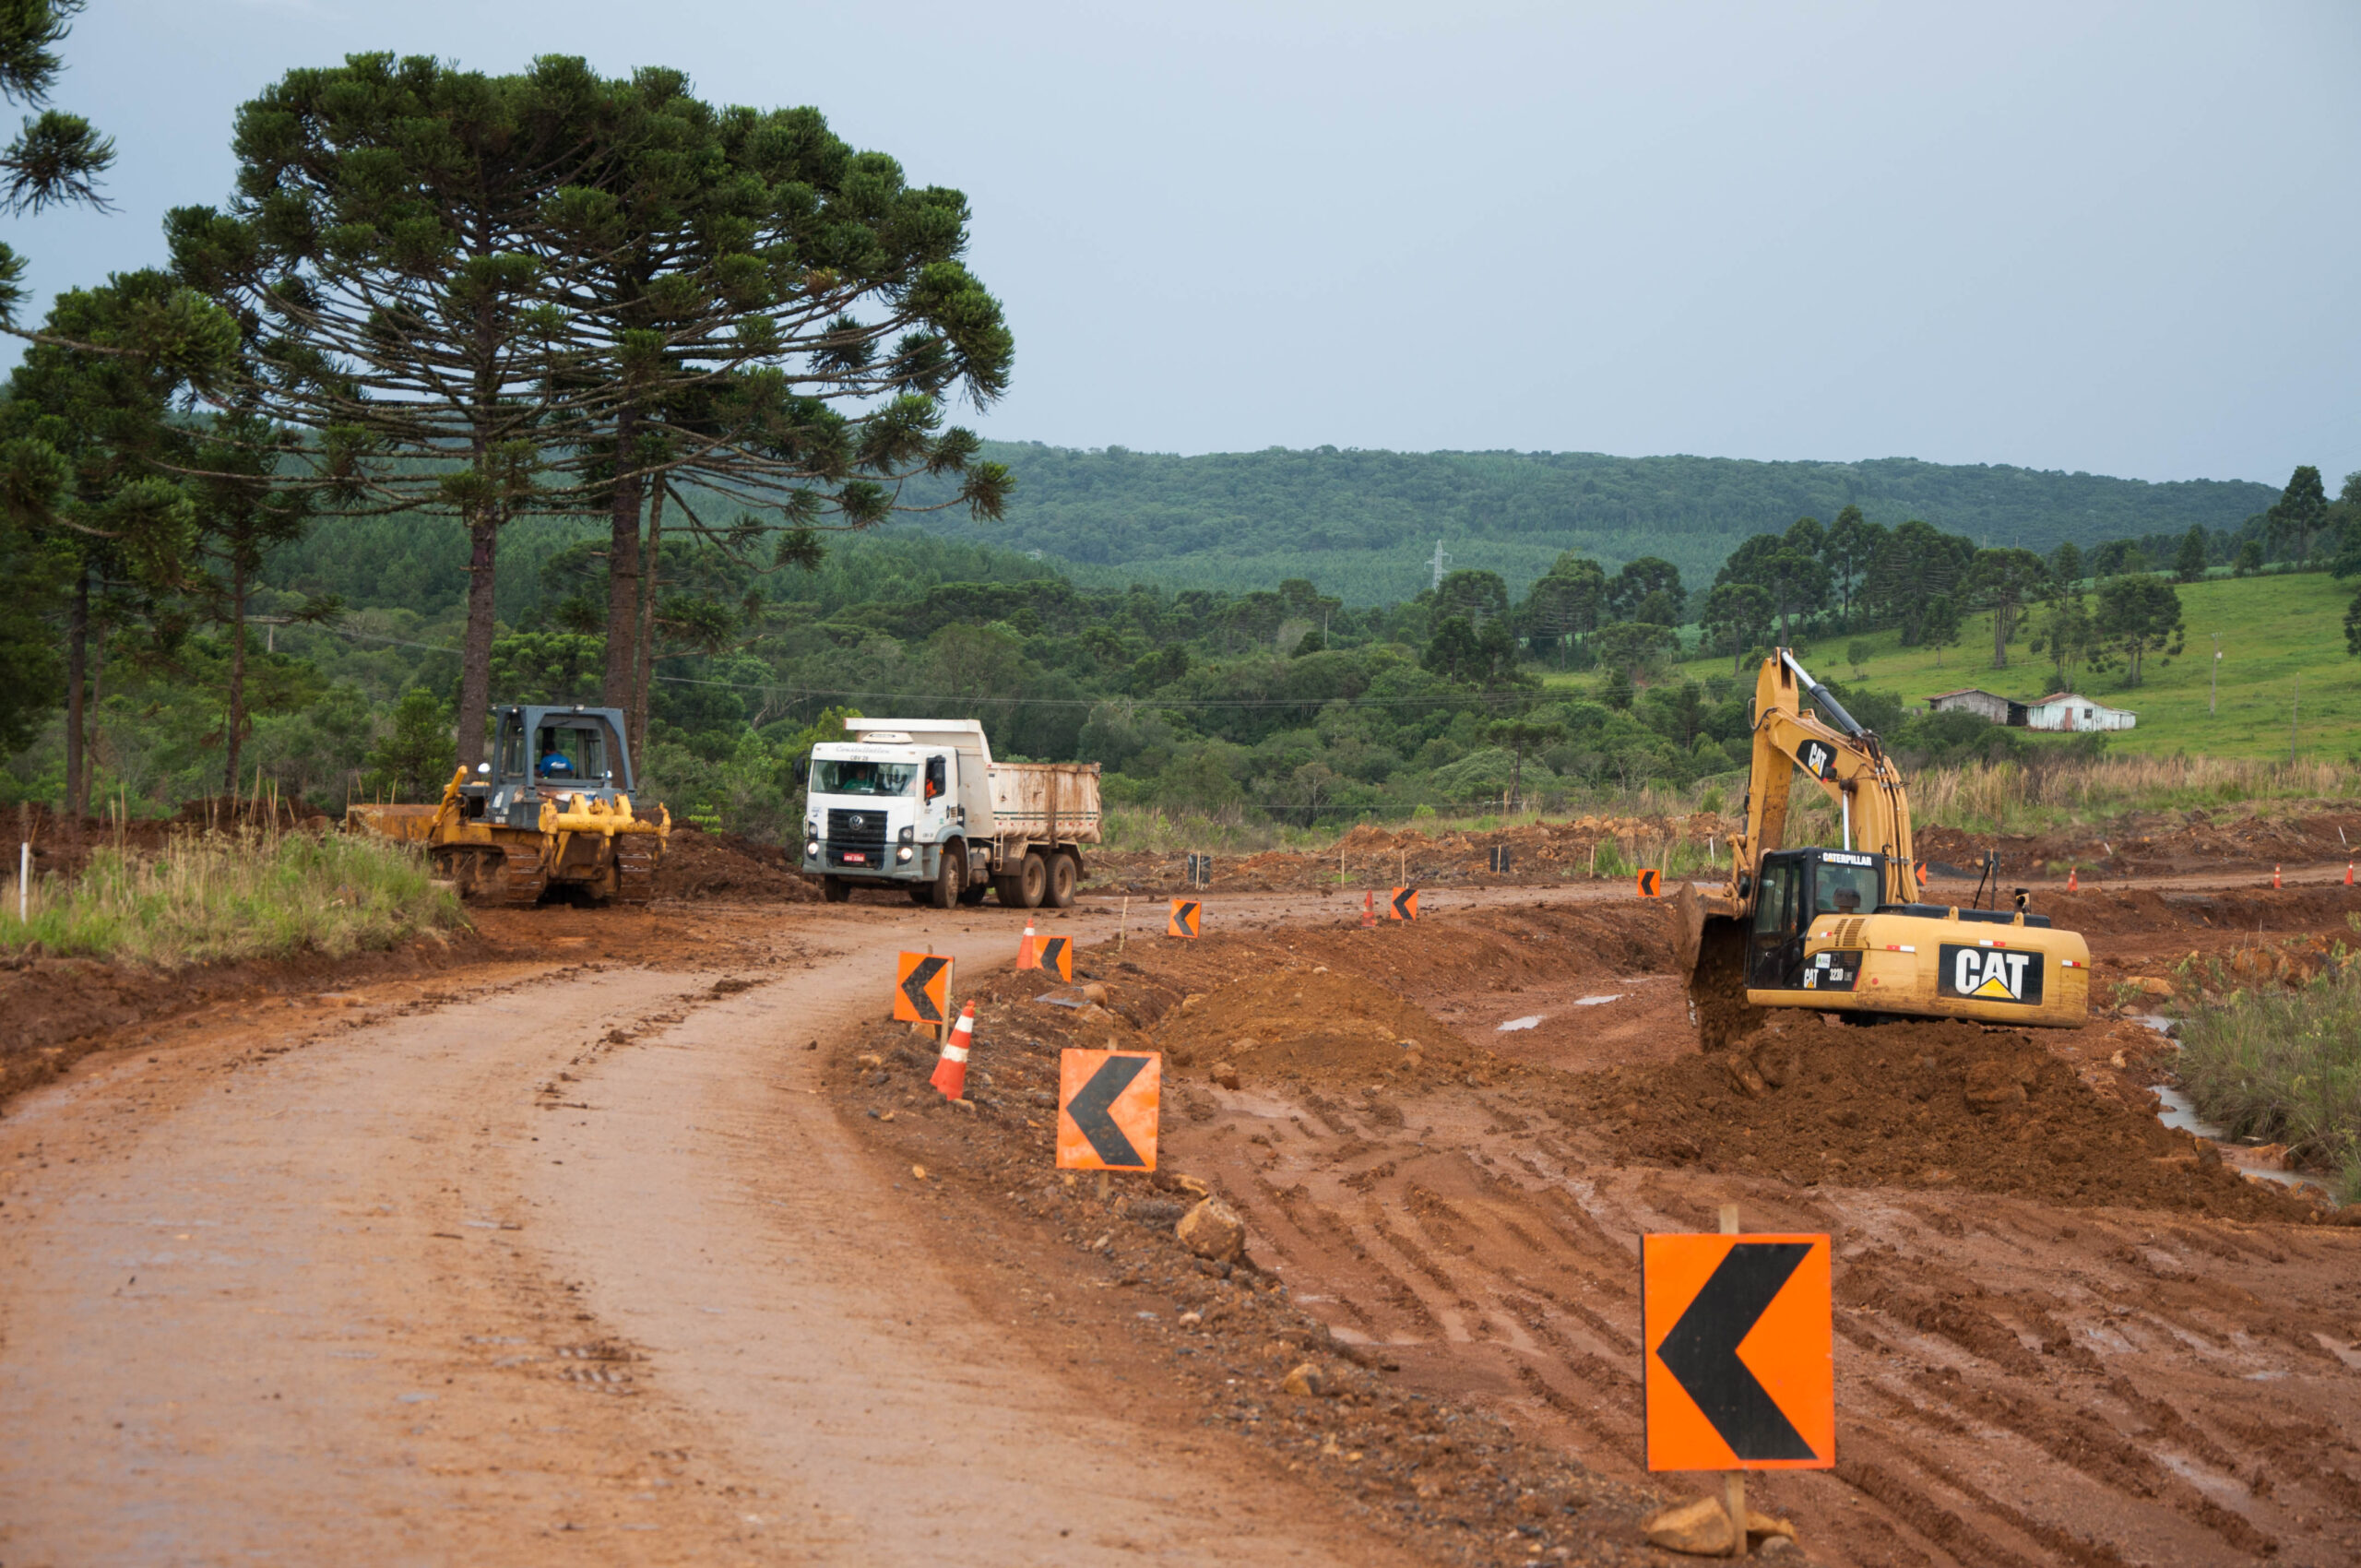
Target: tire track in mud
column 2019, row 1384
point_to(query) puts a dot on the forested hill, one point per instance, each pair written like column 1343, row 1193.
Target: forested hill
column 1362, row 525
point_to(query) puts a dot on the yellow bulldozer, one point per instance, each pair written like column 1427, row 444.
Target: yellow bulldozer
column 550, row 815
column 1845, row 930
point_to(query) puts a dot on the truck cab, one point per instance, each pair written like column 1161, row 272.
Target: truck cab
column 880, row 808
column 919, row 803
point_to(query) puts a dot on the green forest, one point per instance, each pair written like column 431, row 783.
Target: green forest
column 552, row 387
column 1364, row 523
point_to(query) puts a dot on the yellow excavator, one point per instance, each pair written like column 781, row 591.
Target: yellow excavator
column 1844, row 930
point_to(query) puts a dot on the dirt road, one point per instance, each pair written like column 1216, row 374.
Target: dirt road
column 617, row 1253
column 565, row 1262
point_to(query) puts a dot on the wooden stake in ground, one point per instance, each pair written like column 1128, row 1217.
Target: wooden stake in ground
column 1734, row 1481
column 1123, row 926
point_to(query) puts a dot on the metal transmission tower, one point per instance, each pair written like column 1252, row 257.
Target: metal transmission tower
column 1441, row 560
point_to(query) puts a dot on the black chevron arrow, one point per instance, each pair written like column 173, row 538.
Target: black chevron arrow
column 1089, row 1105
column 1402, row 903
column 914, row 987
column 1702, row 1350
column 1053, row 954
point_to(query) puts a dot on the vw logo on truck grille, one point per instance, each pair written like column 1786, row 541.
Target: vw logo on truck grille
column 856, row 821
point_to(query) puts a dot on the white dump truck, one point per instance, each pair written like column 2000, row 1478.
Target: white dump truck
column 920, row 803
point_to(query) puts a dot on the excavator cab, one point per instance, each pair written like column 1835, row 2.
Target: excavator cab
column 1798, row 888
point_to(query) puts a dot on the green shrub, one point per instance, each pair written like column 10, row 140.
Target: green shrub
column 2284, row 1066
column 209, row 897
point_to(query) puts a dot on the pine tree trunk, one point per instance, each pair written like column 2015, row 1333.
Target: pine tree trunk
column 623, row 577
column 643, row 677
column 475, row 662
column 78, row 666
column 1999, row 637
column 237, row 676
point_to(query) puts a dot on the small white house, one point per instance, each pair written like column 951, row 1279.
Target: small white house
column 2070, row 710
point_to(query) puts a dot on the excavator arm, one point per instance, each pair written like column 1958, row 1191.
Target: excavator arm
column 1835, row 752
column 1832, row 750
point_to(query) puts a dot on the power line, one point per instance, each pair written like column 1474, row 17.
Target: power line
column 1459, row 700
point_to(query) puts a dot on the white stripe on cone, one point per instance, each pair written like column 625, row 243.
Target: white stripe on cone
column 951, row 1072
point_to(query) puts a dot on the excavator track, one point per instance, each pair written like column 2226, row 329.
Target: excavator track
column 635, row 868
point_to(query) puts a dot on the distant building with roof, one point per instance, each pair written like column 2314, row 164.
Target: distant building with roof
column 2071, row 710
column 2059, row 711
column 1975, row 699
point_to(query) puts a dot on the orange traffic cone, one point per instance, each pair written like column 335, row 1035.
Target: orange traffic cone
column 1368, row 910
column 2274, row 876
column 1029, row 951
column 951, row 1071
column 2348, row 874
column 2073, row 879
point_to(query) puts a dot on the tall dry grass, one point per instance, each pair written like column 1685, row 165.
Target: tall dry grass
column 247, row 894
column 2005, row 797
column 2008, row 797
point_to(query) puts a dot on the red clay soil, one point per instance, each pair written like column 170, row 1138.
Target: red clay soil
column 56, row 1011
column 61, row 846
column 1930, row 1104
column 698, row 864
column 1551, row 853
column 2054, row 1313
column 2154, row 844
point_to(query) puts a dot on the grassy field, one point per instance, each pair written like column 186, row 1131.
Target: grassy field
column 2277, row 634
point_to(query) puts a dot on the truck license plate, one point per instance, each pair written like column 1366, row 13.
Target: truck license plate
column 854, row 857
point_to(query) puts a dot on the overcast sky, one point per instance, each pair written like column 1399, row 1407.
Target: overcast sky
column 2113, row 238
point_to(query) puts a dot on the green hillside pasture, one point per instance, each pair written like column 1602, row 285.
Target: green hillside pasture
column 2278, row 633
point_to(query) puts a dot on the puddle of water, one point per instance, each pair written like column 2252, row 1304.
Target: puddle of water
column 1531, row 1022
column 1596, row 1001
column 2181, row 1115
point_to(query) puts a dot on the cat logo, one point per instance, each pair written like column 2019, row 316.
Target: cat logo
column 1990, row 974
column 1818, row 758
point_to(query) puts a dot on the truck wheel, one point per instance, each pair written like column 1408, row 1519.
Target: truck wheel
column 950, row 876
column 1062, row 876
column 835, row 889
column 1032, row 880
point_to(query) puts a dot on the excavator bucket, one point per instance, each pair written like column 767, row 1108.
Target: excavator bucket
column 1688, row 913
column 1709, row 946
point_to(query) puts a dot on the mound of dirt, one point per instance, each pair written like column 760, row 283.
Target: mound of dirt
column 698, row 864
column 1293, row 1022
column 1946, row 1105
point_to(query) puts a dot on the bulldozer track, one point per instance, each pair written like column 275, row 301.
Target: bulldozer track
column 635, row 870
column 522, row 878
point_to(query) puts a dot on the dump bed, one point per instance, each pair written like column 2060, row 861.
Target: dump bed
column 1046, row 802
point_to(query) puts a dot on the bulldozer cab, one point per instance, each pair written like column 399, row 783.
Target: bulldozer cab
column 1798, row 887
column 571, row 749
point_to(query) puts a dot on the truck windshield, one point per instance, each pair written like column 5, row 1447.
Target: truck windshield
column 863, row 778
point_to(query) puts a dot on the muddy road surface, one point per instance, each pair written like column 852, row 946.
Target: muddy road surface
column 634, row 1237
